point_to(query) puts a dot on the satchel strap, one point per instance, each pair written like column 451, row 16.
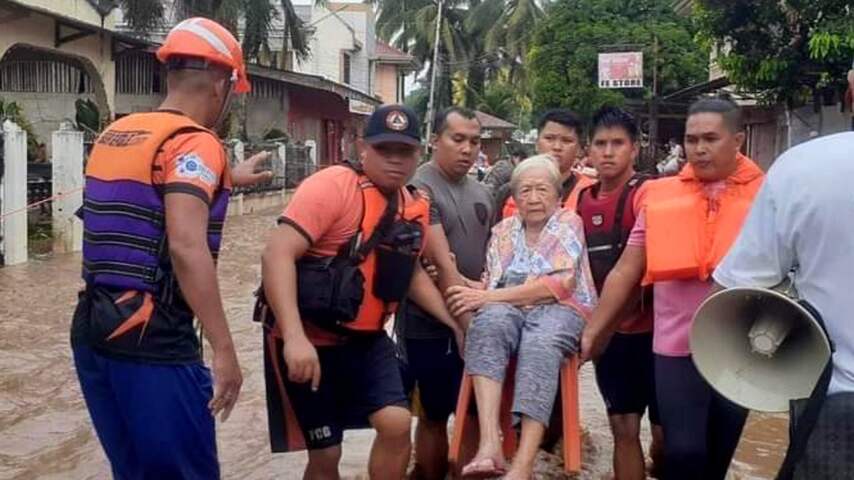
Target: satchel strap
column 809, row 416
column 379, row 232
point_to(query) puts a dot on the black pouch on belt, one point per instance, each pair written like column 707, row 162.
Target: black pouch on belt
column 330, row 290
column 396, row 256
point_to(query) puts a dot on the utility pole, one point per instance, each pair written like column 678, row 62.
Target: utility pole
column 653, row 104
column 431, row 105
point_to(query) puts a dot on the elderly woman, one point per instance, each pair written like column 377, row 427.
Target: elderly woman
column 538, row 290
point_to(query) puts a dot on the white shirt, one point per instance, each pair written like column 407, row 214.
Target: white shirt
column 803, row 217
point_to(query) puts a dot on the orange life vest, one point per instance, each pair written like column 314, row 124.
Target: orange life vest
column 687, row 234
column 124, row 212
column 569, row 196
column 412, row 207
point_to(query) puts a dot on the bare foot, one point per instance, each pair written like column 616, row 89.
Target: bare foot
column 519, row 473
column 486, row 464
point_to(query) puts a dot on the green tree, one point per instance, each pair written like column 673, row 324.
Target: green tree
column 143, row 16
column 479, row 39
column 783, row 51
column 563, row 57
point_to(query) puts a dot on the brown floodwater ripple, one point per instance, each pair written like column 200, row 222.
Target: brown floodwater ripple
column 45, row 432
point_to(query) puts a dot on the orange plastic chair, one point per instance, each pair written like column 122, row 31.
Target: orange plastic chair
column 460, row 453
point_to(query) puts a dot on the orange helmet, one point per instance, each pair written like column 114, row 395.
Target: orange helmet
column 205, row 39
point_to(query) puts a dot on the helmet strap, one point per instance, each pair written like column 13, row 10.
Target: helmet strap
column 226, row 102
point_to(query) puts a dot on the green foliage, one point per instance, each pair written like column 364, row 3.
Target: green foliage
column 145, row 16
column 563, row 57
column 478, row 42
column 417, row 100
column 13, row 112
column 501, row 99
column 782, row 51
column 87, row 117
column 276, row 134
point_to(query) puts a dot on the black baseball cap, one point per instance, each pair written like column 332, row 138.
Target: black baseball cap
column 393, row 124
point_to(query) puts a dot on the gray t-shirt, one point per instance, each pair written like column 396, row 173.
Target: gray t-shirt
column 465, row 210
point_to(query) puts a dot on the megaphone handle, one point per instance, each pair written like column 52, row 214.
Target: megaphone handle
column 803, row 428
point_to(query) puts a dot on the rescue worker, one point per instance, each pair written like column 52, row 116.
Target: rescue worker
column 624, row 371
column 686, row 226
column 559, row 136
column 330, row 364
column 462, row 213
column 156, row 193
column 801, row 221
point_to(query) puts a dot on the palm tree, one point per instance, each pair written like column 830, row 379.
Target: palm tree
column 411, row 26
column 479, row 38
column 145, row 16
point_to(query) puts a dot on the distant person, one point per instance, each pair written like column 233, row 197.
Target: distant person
column 534, row 310
column 559, row 136
column 803, row 219
column 674, row 160
column 497, row 179
column 686, row 226
column 156, row 193
column 330, row 366
column 462, row 211
column 625, row 370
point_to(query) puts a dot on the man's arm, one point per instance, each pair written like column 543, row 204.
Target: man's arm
column 620, row 286
column 186, row 229
column 437, row 251
column 423, row 292
column 278, row 271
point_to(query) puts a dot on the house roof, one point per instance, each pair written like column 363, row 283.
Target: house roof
column 385, row 51
column 312, row 81
column 488, row 121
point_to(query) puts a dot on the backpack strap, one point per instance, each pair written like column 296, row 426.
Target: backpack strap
column 632, row 185
column 380, row 230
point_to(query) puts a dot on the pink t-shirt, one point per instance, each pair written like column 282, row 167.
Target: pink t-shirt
column 675, row 301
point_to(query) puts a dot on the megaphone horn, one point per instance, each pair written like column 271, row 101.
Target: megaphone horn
column 759, row 347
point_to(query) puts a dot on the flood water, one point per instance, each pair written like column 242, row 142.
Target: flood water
column 45, row 431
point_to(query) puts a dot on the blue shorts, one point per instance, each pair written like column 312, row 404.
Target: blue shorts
column 152, row 419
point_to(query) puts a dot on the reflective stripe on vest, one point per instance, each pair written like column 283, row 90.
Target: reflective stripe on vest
column 123, row 211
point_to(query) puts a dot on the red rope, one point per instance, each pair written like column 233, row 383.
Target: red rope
column 36, row 204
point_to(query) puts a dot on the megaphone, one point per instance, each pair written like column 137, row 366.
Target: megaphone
column 758, row 347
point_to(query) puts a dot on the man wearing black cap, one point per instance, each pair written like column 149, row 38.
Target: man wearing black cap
column 326, row 376
column 462, row 212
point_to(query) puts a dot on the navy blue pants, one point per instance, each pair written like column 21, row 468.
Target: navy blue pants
column 152, row 419
column 701, row 428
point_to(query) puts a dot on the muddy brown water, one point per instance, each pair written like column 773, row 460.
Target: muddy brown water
column 45, row 431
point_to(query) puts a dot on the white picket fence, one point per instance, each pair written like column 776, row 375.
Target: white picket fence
column 66, row 195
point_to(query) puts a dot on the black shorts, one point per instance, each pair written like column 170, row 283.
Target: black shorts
column 357, row 379
column 625, row 374
column 435, row 366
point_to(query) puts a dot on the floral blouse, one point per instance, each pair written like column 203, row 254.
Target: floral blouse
column 559, row 259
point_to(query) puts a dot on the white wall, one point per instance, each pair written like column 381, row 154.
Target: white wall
column 80, row 10
column 46, row 111
column 137, row 103
column 94, row 51
column 266, row 113
column 330, row 38
column 363, row 24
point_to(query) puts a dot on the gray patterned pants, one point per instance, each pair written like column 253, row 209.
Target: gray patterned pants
column 541, row 337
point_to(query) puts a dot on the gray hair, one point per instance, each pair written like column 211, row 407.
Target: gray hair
column 542, row 161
